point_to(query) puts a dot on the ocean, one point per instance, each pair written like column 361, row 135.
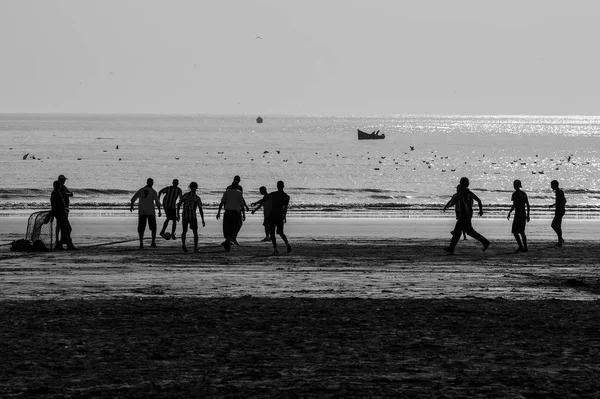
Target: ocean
column 326, row 169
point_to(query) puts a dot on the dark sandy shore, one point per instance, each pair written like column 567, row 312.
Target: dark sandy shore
column 356, row 318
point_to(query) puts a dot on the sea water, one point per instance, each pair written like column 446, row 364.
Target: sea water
column 326, row 169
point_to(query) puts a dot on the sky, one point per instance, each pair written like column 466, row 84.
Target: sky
column 316, row 57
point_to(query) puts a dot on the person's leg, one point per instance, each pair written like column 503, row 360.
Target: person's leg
column 557, row 227
column 266, row 226
column 141, row 228
column 524, row 241
column 273, row 238
column 472, row 233
column 173, row 229
column 152, row 224
column 518, row 241
column 164, row 227
column 184, row 228
column 456, row 233
column 464, row 235
column 194, row 227
column 283, row 236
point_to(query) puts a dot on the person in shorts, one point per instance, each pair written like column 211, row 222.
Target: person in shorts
column 278, row 215
column 148, row 198
column 559, row 211
column 520, row 204
column 235, row 215
column 66, row 194
column 172, row 194
column 59, row 211
column 190, row 202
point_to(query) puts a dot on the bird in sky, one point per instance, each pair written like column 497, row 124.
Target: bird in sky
column 258, row 37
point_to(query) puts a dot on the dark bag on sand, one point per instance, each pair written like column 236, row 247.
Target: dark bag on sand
column 21, row 246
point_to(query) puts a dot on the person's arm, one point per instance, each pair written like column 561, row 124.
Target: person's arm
column 527, row 202
column 285, row 209
column 220, row 207
column 258, row 206
column 133, row 199
column 511, row 209
column 157, row 203
column 476, row 198
column 67, row 192
column 201, row 212
column 451, row 202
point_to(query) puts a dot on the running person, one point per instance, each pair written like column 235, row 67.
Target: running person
column 456, row 210
column 172, row 194
column 520, row 202
column 190, row 202
column 559, row 212
column 266, row 211
column 148, row 198
column 277, row 217
column 464, row 200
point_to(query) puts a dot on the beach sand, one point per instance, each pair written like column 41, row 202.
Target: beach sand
column 360, row 308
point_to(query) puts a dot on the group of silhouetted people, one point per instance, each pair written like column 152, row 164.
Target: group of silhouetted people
column 275, row 207
column 463, row 203
column 179, row 206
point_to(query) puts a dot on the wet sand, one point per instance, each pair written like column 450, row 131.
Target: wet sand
column 357, row 309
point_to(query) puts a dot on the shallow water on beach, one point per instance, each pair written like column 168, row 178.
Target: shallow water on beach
column 327, row 171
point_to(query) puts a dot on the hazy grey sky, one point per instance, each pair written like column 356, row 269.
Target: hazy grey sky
column 331, row 57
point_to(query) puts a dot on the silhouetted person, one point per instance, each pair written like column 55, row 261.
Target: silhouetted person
column 453, row 200
column 266, row 206
column 59, row 212
column 464, row 200
column 233, row 202
column 172, row 194
column 559, row 212
column 66, row 194
column 148, row 199
column 190, row 201
column 277, row 217
column 520, row 204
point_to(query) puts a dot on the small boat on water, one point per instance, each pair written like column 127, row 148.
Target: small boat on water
column 370, row 136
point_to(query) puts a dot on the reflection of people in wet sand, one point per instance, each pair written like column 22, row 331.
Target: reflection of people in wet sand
column 148, row 198
column 277, row 217
column 266, row 211
column 456, row 211
column 190, row 202
column 559, row 212
column 60, row 212
column 233, row 202
column 172, row 194
column 519, row 203
column 464, row 201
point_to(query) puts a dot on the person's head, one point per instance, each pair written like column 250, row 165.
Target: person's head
column 263, row 190
column 150, row 182
column 62, row 179
column 237, row 179
column 280, row 185
column 57, row 184
column 554, row 184
column 175, row 182
column 193, row 186
column 517, row 184
column 464, row 182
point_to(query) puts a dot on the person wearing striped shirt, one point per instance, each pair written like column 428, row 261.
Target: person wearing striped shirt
column 172, row 194
column 190, row 202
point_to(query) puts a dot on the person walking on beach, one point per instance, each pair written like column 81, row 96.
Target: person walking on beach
column 148, row 199
column 519, row 203
column 464, row 200
column 66, row 194
column 59, row 211
column 278, row 215
column 233, row 202
column 172, row 194
column 559, row 211
column 266, row 211
column 453, row 200
column 190, row 201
